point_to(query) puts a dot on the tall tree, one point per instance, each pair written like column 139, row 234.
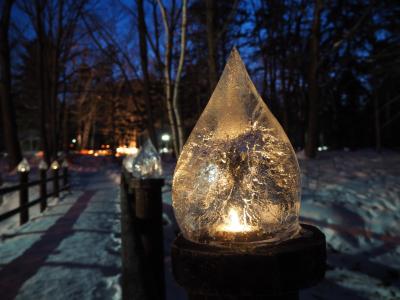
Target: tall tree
column 7, row 105
column 142, row 28
column 55, row 24
column 313, row 103
column 172, row 87
column 211, row 43
column 218, row 23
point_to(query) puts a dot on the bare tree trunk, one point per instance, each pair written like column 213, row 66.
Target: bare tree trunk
column 7, row 105
column 54, row 47
column 144, row 64
column 64, row 124
column 211, row 43
column 41, row 78
column 65, row 128
column 93, row 137
column 284, row 93
column 87, row 126
column 167, row 78
column 313, row 94
column 81, row 118
column 172, row 89
column 378, row 142
column 175, row 102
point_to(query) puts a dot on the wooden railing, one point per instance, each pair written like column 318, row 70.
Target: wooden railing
column 23, row 189
column 142, row 238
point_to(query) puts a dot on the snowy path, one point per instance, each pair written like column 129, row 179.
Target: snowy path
column 72, row 251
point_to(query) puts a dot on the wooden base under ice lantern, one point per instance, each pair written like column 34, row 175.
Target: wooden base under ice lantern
column 265, row 272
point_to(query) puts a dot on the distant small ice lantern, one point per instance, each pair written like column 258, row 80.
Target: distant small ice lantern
column 55, row 165
column 128, row 161
column 23, row 166
column 43, row 165
column 147, row 163
column 237, row 180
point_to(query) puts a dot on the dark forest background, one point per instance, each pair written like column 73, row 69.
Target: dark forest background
column 113, row 71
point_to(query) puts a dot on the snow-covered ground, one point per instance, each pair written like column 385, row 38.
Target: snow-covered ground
column 353, row 197
column 72, row 250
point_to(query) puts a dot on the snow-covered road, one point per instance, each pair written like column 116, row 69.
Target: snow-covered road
column 72, row 251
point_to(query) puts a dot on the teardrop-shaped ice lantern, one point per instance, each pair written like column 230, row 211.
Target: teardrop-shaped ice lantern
column 65, row 163
column 23, row 166
column 147, row 163
column 237, row 180
column 128, row 161
column 43, row 165
column 55, row 165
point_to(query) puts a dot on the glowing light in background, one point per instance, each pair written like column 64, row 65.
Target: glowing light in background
column 165, row 137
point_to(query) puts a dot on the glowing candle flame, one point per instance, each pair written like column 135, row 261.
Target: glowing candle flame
column 233, row 223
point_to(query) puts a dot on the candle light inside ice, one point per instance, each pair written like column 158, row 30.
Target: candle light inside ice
column 237, row 179
column 234, row 224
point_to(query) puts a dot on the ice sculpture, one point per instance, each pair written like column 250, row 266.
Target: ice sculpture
column 237, row 179
column 23, row 166
column 43, row 165
column 65, row 163
column 55, row 165
column 128, row 162
column 147, row 163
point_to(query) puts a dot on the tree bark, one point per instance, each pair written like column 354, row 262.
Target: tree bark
column 313, row 93
column 377, row 119
column 172, row 88
column 167, row 78
column 7, row 106
column 175, row 102
column 41, row 79
column 144, row 64
column 211, row 43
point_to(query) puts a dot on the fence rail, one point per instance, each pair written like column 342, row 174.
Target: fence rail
column 23, row 189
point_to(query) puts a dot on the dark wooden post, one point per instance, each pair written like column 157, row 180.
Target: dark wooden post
column 1, row 196
column 65, row 175
column 135, row 283
column 275, row 272
column 129, row 259
column 148, row 208
column 43, row 189
column 56, row 183
column 23, row 197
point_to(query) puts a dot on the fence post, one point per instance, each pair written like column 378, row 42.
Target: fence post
column 148, row 209
column 56, row 184
column 23, row 169
column 64, row 166
column 136, row 282
column 276, row 272
column 43, row 184
column 43, row 189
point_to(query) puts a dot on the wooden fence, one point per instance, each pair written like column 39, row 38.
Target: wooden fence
column 142, row 238
column 23, row 189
